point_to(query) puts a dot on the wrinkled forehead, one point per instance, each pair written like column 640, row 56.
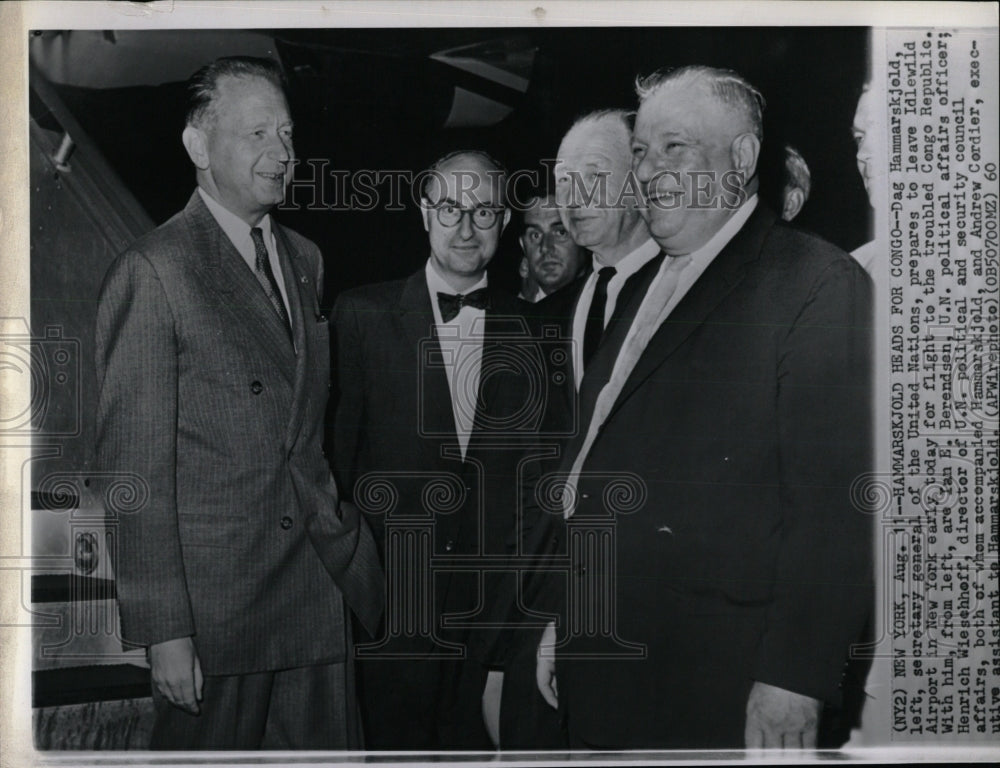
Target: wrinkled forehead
column 685, row 108
column 468, row 183
column 542, row 214
column 235, row 96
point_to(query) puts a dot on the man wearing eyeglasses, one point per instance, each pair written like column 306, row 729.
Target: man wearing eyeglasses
column 426, row 442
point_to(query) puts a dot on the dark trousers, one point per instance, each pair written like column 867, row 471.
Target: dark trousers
column 527, row 721
column 422, row 704
column 306, row 708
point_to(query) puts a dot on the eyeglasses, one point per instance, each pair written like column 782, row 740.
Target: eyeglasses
column 450, row 214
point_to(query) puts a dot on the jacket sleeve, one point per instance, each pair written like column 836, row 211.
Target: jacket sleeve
column 823, row 574
column 136, row 364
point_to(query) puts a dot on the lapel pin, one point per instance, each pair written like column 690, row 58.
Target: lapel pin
column 304, row 279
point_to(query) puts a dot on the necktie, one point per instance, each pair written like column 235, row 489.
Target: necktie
column 647, row 322
column 594, row 328
column 266, row 278
column 451, row 304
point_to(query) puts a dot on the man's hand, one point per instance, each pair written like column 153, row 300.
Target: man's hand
column 176, row 673
column 545, row 666
column 780, row 719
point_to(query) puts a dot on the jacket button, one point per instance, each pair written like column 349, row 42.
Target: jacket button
column 286, row 522
column 256, row 387
column 581, row 569
column 449, row 546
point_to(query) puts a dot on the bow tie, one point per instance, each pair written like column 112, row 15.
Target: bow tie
column 451, row 305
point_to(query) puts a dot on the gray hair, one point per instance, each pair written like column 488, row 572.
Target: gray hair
column 729, row 87
column 203, row 85
column 616, row 124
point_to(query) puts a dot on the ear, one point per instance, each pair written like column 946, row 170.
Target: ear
column 506, row 220
column 196, row 144
column 744, row 152
column 794, row 200
column 522, row 268
column 425, row 213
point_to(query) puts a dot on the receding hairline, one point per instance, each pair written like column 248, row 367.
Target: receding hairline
column 459, row 167
column 611, row 124
column 204, row 85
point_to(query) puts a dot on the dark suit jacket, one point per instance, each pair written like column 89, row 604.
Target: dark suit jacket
column 202, row 397
column 395, row 441
column 746, row 420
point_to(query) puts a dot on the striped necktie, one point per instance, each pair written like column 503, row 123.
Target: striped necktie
column 265, row 276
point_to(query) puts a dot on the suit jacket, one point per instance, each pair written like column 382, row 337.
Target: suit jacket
column 740, row 556
column 238, row 539
column 397, row 454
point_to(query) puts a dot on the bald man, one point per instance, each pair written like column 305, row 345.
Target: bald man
column 426, row 444
column 739, row 404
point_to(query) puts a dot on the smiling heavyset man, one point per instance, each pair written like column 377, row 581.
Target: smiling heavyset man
column 239, row 570
column 740, row 399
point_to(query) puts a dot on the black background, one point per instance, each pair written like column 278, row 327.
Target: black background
column 373, row 99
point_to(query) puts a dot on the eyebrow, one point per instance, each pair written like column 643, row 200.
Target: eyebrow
column 449, row 201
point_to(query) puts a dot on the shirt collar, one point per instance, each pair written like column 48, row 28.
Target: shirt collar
column 865, row 255
column 631, row 263
column 720, row 239
column 437, row 284
column 237, row 230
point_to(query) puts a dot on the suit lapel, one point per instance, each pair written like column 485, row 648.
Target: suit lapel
column 302, row 313
column 725, row 272
column 599, row 371
column 434, row 413
column 502, row 320
column 228, row 274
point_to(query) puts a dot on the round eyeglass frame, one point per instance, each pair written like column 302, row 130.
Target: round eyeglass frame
column 450, row 215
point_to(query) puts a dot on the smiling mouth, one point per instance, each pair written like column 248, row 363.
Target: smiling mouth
column 273, row 177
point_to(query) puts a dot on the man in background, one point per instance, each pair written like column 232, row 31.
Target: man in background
column 797, row 183
column 864, row 129
column 551, row 259
column 213, row 365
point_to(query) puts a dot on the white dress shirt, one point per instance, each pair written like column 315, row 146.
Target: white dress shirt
column 657, row 305
column 624, row 269
column 461, row 341
column 238, row 232
column 865, row 256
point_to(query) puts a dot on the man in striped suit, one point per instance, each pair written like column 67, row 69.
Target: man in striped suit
column 213, row 367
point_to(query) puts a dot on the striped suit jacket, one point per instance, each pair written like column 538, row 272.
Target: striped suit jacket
column 240, row 542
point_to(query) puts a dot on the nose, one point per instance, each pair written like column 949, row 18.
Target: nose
column 864, row 153
column 465, row 228
column 568, row 193
column 280, row 148
column 643, row 167
column 548, row 245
